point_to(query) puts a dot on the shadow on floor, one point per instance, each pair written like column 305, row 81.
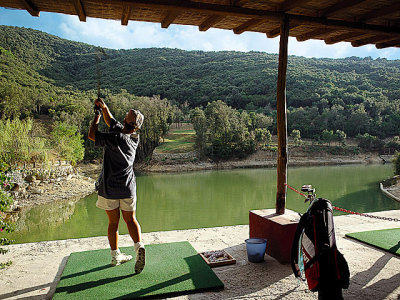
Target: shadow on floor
column 245, row 278
column 52, row 286
column 359, row 283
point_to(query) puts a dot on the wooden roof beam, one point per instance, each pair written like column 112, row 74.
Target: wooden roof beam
column 169, row 18
column 126, row 13
column 247, row 25
column 314, row 33
column 226, row 10
column 342, row 37
column 290, row 4
column 79, row 10
column 277, row 31
column 238, row 2
column 346, row 25
column 371, row 40
column 209, row 22
column 393, row 43
column 342, row 5
column 205, row 8
column 387, row 10
column 31, row 8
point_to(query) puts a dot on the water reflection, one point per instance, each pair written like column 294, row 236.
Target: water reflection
column 208, row 199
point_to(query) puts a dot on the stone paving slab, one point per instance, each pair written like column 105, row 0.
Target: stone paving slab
column 375, row 274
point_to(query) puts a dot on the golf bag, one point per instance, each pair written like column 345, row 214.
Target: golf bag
column 314, row 252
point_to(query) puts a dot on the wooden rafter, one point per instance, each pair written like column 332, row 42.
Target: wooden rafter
column 247, row 25
column 313, row 33
column 345, row 25
column 206, row 8
column 169, row 18
column 347, row 15
column 393, row 43
column 395, row 8
column 126, row 13
column 224, row 10
column 209, row 22
column 342, row 37
column 79, row 10
column 238, row 2
column 371, row 40
column 290, row 4
column 31, row 8
column 344, row 4
column 277, row 31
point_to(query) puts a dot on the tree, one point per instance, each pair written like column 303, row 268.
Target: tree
column 68, row 142
column 295, row 135
column 341, row 137
column 327, row 136
column 263, row 136
column 199, row 122
column 369, row 142
column 229, row 134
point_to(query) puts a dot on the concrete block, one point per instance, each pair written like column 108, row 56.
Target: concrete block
column 279, row 230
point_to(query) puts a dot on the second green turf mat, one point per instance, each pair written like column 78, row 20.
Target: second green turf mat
column 172, row 268
column 387, row 239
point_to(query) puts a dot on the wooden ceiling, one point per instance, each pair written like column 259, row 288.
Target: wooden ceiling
column 360, row 22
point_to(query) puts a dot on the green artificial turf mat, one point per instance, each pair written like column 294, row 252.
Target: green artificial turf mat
column 172, row 268
column 387, row 239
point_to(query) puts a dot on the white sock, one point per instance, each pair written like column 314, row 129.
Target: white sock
column 115, row 252
column 138, row 245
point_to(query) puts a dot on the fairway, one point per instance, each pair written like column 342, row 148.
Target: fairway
column 178, row 140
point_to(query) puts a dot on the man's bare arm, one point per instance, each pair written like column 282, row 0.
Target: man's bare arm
column 93, row 128
column 106, row 112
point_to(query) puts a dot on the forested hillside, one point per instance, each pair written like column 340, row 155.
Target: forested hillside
column 44, row 74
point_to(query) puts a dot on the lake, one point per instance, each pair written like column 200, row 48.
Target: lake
column 208, row 199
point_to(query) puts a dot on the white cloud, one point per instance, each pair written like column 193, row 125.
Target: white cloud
column 111, row 34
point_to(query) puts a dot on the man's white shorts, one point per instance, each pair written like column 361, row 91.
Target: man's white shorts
column 127, row 204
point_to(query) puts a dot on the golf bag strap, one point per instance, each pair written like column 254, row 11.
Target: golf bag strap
column 295, row 245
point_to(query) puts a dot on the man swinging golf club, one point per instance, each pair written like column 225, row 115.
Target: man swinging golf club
column 117, row 183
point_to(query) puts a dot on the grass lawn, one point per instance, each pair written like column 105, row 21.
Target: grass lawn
column 178, row 140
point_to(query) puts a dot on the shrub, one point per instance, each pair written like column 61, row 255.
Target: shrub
column 5, row 203
column 18, row 143
column 397, row 164
column 369, row 143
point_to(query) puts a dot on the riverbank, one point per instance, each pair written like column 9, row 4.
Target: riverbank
column 185, row 162
column 37, row 267
column 391, row 188
column 81, row 182
column 73, row 186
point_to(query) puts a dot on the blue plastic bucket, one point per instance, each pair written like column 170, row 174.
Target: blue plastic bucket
column 256, row 249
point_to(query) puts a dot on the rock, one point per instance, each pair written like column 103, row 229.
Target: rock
column 30, row 178
column 36, row 191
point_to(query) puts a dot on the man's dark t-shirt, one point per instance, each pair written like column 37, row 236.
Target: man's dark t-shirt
column 117, row 179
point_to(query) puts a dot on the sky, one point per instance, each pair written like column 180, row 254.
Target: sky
column 111, row 34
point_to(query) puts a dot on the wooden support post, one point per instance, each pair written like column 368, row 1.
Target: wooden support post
column 281, row 118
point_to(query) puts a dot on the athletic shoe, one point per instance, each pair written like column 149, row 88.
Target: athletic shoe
column 140, row 259
column 118, row 258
